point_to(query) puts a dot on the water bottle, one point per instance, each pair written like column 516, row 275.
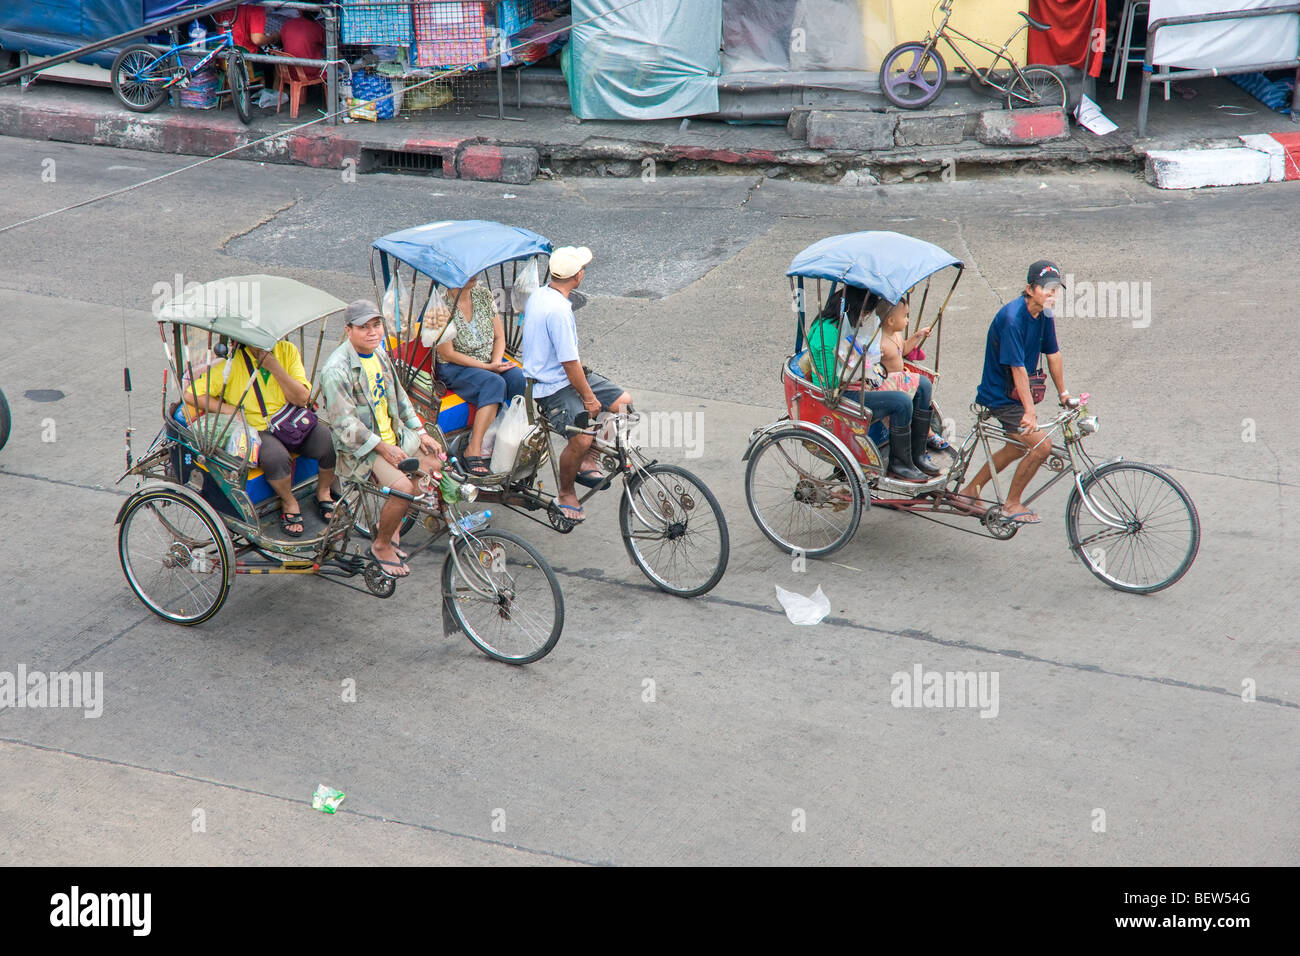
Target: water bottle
column 198, row 36
column 473, row 522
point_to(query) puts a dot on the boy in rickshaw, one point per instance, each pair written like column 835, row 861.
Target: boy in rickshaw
column 374, row 425
column 1022, row 331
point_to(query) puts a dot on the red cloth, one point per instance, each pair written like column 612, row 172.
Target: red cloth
column 303, row 37
column 249, row 19
column 1072, row 22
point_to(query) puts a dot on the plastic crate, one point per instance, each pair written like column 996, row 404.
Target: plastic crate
column 372, row 24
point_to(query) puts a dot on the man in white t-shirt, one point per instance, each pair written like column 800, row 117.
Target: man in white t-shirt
column 561, row 388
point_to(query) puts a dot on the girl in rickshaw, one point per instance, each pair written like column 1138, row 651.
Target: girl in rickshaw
column 279, row 381
column 473, row 364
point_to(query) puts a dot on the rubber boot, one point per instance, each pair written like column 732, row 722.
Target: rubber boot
column 921, row 432
column 900, row 454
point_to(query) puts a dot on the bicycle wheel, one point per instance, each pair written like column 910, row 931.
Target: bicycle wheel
column 511, row 607
column 237, row 77
column 176, row 554
column 674, row 530
column 1036, row 86
column 1161, row 532
column 137, row 86
column 6, row 421
column 911, row 78
column 803, row 493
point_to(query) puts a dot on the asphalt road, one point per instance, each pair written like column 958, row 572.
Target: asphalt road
column 1121, row 735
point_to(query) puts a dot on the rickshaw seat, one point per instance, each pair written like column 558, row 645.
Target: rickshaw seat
column 256, row 487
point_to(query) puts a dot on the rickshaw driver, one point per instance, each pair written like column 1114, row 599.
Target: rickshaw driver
column 1020, row 332
column 374, row 425
column 562, row 388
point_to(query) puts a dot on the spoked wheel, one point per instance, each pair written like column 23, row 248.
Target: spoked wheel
column 237, row 77
column 176, row 554
column 509, row 604
column 673, row 530
column 911, row 78
column 1041, row 86
column 137, row 89
column 6, row 421
column 803, row 493
column 1161, row 531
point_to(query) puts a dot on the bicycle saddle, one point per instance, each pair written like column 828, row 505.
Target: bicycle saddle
column 1036, row 24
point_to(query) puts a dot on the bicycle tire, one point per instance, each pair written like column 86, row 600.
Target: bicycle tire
column 894, row 80
column 1110, row 563
column 683, row 528
column 817, row 492
column 237, row 78
column 137, row 95
column 1045, row 88
column 461, row 601
column 6, row 420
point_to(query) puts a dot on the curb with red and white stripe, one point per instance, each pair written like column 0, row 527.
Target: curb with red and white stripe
column 1262, row 158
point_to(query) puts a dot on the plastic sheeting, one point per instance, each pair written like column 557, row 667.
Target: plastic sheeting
column 50, row 27
column 1225, row 44
column 887, row 263
column 765, row 35
column 453, row 252
column 656, row 59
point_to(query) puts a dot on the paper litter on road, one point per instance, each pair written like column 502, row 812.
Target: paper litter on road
column 1091, row 118
column 326, row 799
column 804, row 610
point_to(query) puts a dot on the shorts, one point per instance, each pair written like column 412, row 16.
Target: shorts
column 1009, row 416
column 562, row 408
column 382, row 471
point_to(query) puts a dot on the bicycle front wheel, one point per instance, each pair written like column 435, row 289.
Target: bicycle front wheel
column 503, row 595
column 138, row 78
column 1160, row 531
column 912, row 77
column 5, row 420
column 237, row 76
column 674, row 530
column 803, row 493
column 1036, row 86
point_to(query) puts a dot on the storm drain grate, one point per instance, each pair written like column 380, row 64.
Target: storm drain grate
column 396, row 161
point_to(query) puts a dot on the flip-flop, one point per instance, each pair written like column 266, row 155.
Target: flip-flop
column 390, row 564
column 1023, row 517
column 591, row 478
column 291, row 517
column 402, row 555
column 578, row 516
column 969, row 505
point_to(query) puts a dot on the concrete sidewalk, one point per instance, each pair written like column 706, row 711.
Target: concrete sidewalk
column 821, row 144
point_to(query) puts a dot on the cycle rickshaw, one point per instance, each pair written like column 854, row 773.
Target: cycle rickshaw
column 671, row 524
column 811, row 474
column 203, row 512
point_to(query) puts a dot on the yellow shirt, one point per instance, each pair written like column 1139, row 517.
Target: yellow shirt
column 378, row 390
column 214, row 382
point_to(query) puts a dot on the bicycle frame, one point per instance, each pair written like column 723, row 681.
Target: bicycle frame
column 225, row 41
column 943, row 32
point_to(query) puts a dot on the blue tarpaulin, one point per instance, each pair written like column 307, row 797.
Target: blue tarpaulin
column 50, row 27
column 655, row 59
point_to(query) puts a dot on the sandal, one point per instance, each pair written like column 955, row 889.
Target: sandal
column 1022, row 517
column 478, row 466
column 288, row 518
column 591, row 478
column 325, row 509
column 401, row 570
column 578, row 515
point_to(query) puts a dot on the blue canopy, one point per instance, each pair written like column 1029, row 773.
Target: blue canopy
column 453, row 252
column 886, row 263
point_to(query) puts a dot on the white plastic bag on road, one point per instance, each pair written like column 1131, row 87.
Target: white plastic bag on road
column 804, row 610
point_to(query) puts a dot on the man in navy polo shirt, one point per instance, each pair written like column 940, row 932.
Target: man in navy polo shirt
column 1022, row 331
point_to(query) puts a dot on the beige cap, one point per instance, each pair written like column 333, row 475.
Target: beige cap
column 568, row 261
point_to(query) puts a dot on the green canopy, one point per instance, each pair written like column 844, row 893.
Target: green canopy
column 256, row 310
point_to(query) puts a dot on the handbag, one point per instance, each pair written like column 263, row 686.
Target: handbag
column 291, row 424
column 1038, row 385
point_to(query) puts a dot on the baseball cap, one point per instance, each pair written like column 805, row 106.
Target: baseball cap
column 568, row 261
column 1044, row 273
column 361, row 311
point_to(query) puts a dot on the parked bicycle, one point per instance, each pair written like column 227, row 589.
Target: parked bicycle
column 142, row 76
column 913, row 74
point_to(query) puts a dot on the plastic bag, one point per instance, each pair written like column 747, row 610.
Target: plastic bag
column 437, row 326
column 513, row 429
column 241, row 439
column 490, row 437
column 804, row 610
column 525, row 284
column 395, row 309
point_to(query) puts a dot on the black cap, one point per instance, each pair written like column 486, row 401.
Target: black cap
column 1044, row 272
